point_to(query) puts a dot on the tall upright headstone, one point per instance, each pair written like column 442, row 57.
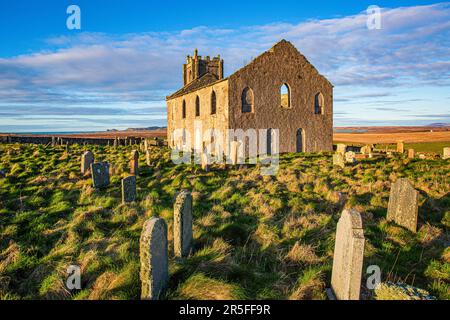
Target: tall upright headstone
column 403, row 207
column 153, row 253
column 87, row 159
column 134, row 162
column 182, row 214
column 411, row 154
column 400, row 147
column 100, row 174
column 145, row 144
column 348, row 256
column 147, row 158
column 341, row 148
column 129, row 189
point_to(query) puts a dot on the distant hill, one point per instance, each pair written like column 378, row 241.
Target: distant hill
column 439, row 125
column 138, row 129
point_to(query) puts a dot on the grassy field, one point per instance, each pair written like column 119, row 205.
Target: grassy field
column 255, row 237
column 425, row 147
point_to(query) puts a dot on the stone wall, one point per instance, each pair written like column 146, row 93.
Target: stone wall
column 265, row 75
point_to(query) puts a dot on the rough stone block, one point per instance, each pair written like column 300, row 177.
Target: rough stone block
column 87, row 159
column 154, row 259
column 403, row 204
column 348, row 256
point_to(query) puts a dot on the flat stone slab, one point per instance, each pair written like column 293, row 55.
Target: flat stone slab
column 100, row 174
column 154, row 272
column 403, row 207
column 129, row 189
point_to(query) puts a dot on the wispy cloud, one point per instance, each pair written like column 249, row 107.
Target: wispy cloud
column 411, row 50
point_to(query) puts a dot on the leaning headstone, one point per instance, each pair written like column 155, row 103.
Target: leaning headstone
column 234, row 152
column 411, row 153
column 403, row 204
column 446, row 153
column 100, row 174
column 182, row 224
column 154, row 259
column 129, row 189
column 341, row 148
column 87, row 159
column 348, row 256
column 134, row 162
column 400, row 147
column 338, row 160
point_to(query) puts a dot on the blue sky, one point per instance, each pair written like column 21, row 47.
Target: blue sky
column 116, row 71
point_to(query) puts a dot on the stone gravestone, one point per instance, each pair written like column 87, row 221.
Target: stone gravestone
column 446, row 153
column 400, row 147
column 338, row 160
column 145, row 144
column 350, row 157
column 134, row 162
column 129, row 189
column 234, row 151
column 87, row 159
column 366, row 150
column 204, row 158
column 341, row 148
column 147, row 158
column 182, row 225
column 411, row 153
column 154, row 259
column 348, row 256
column 403, row 204
column 100, row 174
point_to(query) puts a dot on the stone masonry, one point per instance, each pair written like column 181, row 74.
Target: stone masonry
column 251, row 98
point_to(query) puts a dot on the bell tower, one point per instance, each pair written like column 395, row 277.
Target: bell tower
column 195, row 67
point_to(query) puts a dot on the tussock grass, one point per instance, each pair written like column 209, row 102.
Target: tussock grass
column 255, row 237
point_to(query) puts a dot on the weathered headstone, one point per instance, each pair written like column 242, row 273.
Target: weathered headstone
column 400, row 147
column 87, row 159
column 350, row 157
column 338, row 160
column 341, row 148
column 403, row 204
column 154, row 259
column 182, row 225
column 145, row 144
column 100, row 174
column 147, row 158
column 53, row 141
column 446, row 153
column 134, row 162
column 348, row 256
column 115, row 143
column 129, row 189
column 422, row 156
column 411, row 153
column 234, row 151
column 366, row 149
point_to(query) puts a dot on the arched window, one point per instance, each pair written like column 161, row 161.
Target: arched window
column 318, row 103
column 247, row 100
column 197, row 107
column 285, row 96
column 183, row 110
column 213, row 103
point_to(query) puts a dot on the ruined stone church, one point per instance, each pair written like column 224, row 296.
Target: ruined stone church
column 279, row 89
